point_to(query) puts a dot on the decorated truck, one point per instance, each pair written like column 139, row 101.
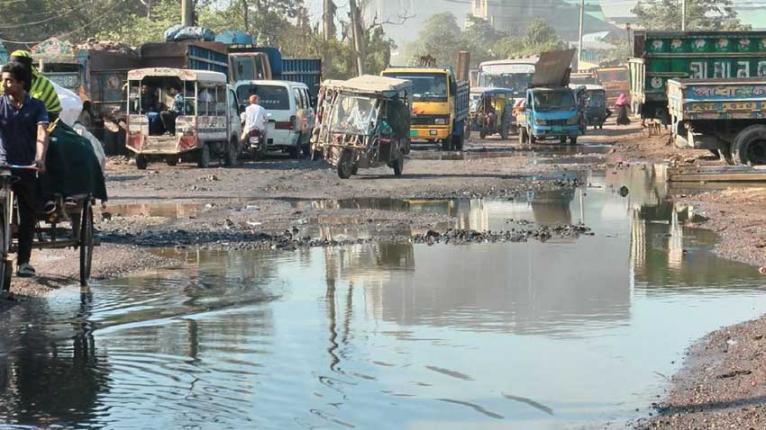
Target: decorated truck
column 97, row 73
column 726, row 116
column 662, row 56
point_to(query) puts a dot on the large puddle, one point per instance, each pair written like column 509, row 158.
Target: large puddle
column 581, row 333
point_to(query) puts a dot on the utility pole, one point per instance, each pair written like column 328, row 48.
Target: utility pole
column 358, row 33
column 187, row 13
column 683, row 15
column 582, row 21
column 328, row 20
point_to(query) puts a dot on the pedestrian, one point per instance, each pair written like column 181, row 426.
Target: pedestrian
column 622, row 110
column 38, row 86
column 23, row 141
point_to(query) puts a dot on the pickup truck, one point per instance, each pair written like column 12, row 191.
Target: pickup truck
column 550, row 109
column 725, row 116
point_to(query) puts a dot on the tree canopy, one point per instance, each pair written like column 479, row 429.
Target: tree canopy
column 700, row 15
column 284, row 24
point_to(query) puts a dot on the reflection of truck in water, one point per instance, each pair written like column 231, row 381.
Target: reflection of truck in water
column 440, row 105
column 661, row 56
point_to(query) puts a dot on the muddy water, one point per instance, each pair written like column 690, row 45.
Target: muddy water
column 570, row 334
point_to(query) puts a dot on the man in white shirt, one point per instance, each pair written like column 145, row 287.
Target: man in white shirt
column 255, row 116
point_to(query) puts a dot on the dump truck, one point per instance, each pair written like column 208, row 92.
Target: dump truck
column 661, row 56
column 550, row 109
column 440, row 107
column 725, row 116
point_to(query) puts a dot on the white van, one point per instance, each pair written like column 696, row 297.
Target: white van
column 288, row 109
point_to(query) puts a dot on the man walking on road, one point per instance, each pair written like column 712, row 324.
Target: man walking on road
column 23, row 141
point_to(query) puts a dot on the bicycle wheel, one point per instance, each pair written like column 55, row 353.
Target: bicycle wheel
column 86, row 242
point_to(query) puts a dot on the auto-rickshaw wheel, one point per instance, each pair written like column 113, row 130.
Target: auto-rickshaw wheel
column 398, row 166
column 171, row 160
column 346, row 164
column 482, row 134
column 141, row 162
column 573, row 140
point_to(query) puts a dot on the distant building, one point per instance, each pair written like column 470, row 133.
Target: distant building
column 513, row 16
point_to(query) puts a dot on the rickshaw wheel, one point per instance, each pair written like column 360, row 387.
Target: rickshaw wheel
column 141, row 162
column 86, row 242
column 345, row 165
column 398, row 166
column 203, row 160
column 482, row 134
column 6, row 266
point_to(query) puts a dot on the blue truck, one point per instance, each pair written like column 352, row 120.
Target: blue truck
column 550, row 109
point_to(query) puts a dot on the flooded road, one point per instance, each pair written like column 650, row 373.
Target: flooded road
column 572, row 333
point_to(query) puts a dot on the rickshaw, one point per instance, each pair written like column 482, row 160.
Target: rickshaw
column 492, row 111
column 209, row 123
column 77, row 181
column 363, row 122
column 593, row 104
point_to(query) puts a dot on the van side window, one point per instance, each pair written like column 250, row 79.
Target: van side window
column 306, row 98
column 299, row 104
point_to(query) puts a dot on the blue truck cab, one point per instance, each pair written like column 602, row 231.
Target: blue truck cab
column 550, row 109
column 550, row 113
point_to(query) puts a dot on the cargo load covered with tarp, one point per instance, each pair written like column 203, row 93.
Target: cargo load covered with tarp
column 72, row 165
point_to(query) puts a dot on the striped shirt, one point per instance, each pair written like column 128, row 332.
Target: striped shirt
column 42, row 89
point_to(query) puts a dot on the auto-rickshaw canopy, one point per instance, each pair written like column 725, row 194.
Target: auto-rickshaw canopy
column 379, row 86
column 182, row 74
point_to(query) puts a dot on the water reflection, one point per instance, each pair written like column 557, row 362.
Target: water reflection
column 571, row 334
column 51, row 371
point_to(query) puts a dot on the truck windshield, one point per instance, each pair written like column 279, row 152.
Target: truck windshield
column 247, row 68
column 554, row 100
column 272, row 97
column 428, row 87
column 353, row 115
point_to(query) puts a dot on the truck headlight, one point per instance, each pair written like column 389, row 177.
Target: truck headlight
column 573, row 120
column 539, row 121
column 440, row 121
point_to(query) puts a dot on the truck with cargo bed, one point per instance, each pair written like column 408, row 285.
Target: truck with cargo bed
column 726, row 116
column 661, row 56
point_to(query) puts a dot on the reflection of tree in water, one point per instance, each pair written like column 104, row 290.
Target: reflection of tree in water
column 47, row 381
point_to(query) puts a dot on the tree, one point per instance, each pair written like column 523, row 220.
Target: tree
column 480, row 38
column 540, row 37
column 440, row 38
column 700, row 15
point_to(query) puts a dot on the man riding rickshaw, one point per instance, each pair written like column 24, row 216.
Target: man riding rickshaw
column 492, row 111
column 48, row 174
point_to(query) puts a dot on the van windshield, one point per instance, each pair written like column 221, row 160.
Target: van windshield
column 554, row 100
column 272, row 97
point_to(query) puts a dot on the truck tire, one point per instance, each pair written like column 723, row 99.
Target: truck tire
column 203, row 156
column 749, row 147
column 141, row 162
column 447, row 144
column 232, row 152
